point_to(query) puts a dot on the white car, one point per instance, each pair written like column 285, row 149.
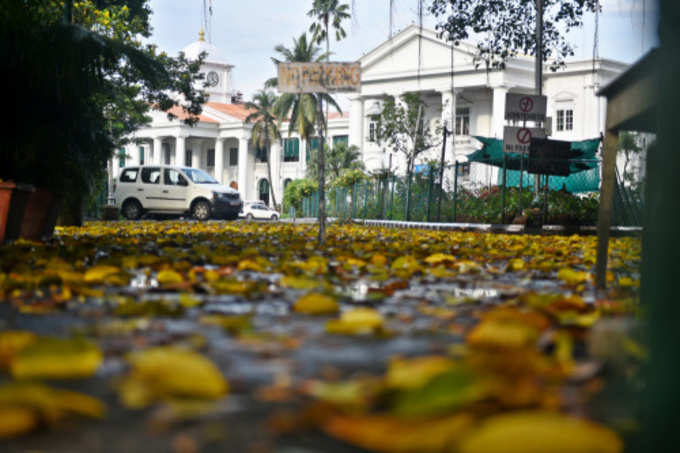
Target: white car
column 259, row 210
column 174, row 190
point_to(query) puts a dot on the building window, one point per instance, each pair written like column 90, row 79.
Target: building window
column 372, row 127
column 121, row 158
column 141, row 155
column 261, row 155
column 569, row 120
column 340, row 139
column 233, row 157
column 565, row 120
column 313, row 147
column 463, row 121
column 463, row 169
column 188, row 157
column 166, row 154
column 211, row 158
column 291, row 150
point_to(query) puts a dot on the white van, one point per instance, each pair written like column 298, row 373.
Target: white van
column 174, row 190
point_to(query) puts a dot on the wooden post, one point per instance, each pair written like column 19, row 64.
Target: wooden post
column 611, row 142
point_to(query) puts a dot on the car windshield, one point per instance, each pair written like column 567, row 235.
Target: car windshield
column 199, row 176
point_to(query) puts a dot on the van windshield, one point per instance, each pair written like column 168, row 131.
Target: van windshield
column 199, row 176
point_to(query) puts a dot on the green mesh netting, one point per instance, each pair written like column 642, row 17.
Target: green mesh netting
column 583, row 166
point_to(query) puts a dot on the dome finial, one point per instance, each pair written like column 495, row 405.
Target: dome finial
column 201, row 35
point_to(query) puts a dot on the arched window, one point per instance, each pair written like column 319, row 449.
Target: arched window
column 263, row 191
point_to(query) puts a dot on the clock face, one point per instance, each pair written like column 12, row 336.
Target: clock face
column 213, row 79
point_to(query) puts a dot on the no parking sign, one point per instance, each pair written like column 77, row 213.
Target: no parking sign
column 518, row 139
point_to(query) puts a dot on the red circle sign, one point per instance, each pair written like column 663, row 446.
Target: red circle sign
column 524, row 136
column 526, row 104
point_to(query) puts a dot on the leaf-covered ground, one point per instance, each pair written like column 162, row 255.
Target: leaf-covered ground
column 248, row 337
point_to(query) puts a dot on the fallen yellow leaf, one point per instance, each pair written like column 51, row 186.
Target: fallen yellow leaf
column 169, row 371
column 55, row 358
column 394, row 435
column 168, row 277
column 540, row 432
column 316, row 304
column 15, row 421
column 356, row 321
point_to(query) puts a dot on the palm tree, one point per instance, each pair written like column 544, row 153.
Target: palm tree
column 339, row 159
column 301, row 109
column 326, row 13
column 265, row 127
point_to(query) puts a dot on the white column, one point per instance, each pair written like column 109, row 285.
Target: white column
column 219, row 159
column 498, row 115
column 132, row 150
column 277, row 184
column 157, row 150
column 196, row 155
column 243, row 167
column 180, row 150
column 449, row 120
column 303, row 155
column 356, row 122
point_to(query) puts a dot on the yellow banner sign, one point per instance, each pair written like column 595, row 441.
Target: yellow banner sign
column 319, row 77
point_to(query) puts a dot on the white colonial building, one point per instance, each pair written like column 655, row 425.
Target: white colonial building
column 220, row 142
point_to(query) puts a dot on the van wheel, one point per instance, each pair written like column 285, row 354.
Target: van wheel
column 132, row 210
column 274, row 218
column 201, row 210
column 250, row 216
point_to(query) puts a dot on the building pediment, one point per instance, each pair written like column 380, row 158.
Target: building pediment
column 402, row 52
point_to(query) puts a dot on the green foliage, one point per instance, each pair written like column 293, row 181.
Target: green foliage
column 302, row 109
column 402, row 127
column 265, row 127
column 79, row 88
column 328, row 13
column 338, row 160
column 507, row 28
column 296, row 191
column 349, row 178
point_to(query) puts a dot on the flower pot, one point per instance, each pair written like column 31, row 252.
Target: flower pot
column 17, row 209
column 40, row 215
column 32, row 213
column 110, row 212
column 6, row 191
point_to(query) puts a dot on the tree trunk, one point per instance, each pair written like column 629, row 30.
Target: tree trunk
column 269, row 173
column 71, row 213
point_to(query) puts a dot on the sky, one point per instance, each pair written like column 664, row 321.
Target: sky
column 247, row 31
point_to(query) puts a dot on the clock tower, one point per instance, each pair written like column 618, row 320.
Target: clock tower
column 215, row 68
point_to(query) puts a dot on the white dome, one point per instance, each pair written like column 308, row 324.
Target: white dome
column 193, row 50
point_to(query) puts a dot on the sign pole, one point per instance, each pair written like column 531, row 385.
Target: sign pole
column 441, row 178
column 539, row 64
column 322, row 176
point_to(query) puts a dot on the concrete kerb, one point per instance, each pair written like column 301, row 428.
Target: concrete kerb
column 483, row 227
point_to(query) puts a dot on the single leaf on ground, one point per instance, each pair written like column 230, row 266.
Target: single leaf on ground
column 316, row 304
column 393, row 435
column 540, row 432
column 168, row 371
column 55, row 358
column 357, row 321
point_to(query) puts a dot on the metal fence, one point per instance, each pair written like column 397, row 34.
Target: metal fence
column 509, row 196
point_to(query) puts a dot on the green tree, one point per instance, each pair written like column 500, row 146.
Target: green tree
column 401, row 126
column 265, row 127
column 297, row 190
column 339, row 159
column 302, row 109
column 506, row 28
column 327, row 13
column 628, row 145
column 82, row 71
